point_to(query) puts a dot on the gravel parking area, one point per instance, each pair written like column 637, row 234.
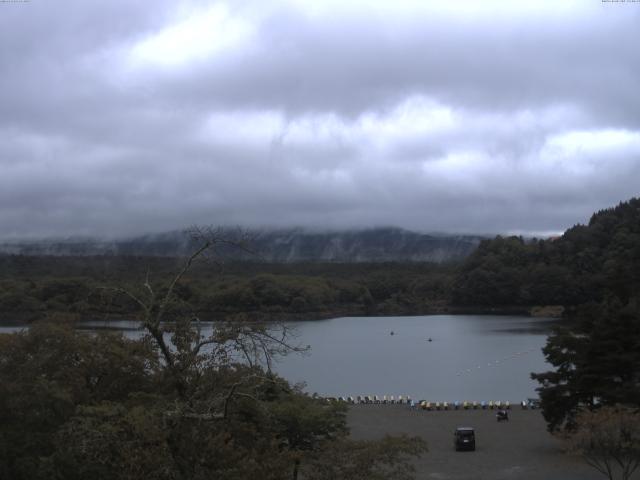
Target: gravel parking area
column 520, row 448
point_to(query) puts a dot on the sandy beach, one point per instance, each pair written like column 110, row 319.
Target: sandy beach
column 520, row 448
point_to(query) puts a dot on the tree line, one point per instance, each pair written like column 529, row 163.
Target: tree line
column 587, row 263
column 31, row 287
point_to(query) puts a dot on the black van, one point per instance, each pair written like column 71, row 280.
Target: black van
column 464, row 438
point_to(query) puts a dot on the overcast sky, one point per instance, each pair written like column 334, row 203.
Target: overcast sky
column 121, row 117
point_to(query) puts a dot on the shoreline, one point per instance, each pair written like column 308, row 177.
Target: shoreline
column 9, row 319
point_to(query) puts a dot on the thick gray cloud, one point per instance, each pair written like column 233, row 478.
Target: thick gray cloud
column 120, row 117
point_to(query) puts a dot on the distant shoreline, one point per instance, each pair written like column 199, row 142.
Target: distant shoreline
column 15, row 319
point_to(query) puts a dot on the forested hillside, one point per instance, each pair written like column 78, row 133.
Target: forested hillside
column 596, row 349
column 503, row 274
column 584, row 264
column 292, row 245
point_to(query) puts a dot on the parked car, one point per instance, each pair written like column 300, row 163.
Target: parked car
column 464, row 438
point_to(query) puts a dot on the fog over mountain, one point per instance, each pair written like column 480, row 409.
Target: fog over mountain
column 280, row 246
column 122, row 117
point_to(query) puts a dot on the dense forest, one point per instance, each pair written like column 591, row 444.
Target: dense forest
column 505, row 274
column 584, row 264
column 31, row 287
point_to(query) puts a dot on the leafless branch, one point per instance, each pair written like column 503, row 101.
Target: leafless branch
column 188, row 351
column 127, row 293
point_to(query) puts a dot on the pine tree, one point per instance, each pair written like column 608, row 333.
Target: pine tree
column 597, row 359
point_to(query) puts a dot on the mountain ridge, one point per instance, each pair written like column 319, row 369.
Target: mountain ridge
column 381, row 244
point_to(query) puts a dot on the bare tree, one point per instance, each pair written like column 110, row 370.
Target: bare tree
column 177, row 332
column 609, row 440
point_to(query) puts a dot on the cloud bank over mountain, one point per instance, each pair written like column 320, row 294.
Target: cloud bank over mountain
column 120, row 117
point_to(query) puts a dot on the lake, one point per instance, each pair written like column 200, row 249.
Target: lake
column 469, row 357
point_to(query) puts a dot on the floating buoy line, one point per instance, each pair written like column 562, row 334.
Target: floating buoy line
column 496, row 362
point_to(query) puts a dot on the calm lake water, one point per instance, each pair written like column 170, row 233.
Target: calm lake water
column 470, row 357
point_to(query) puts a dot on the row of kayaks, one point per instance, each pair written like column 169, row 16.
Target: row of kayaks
column 530, row 403
column 490, row 405
column 374, row 399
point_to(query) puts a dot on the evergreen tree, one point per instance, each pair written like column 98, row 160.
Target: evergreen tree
column 596, row 353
